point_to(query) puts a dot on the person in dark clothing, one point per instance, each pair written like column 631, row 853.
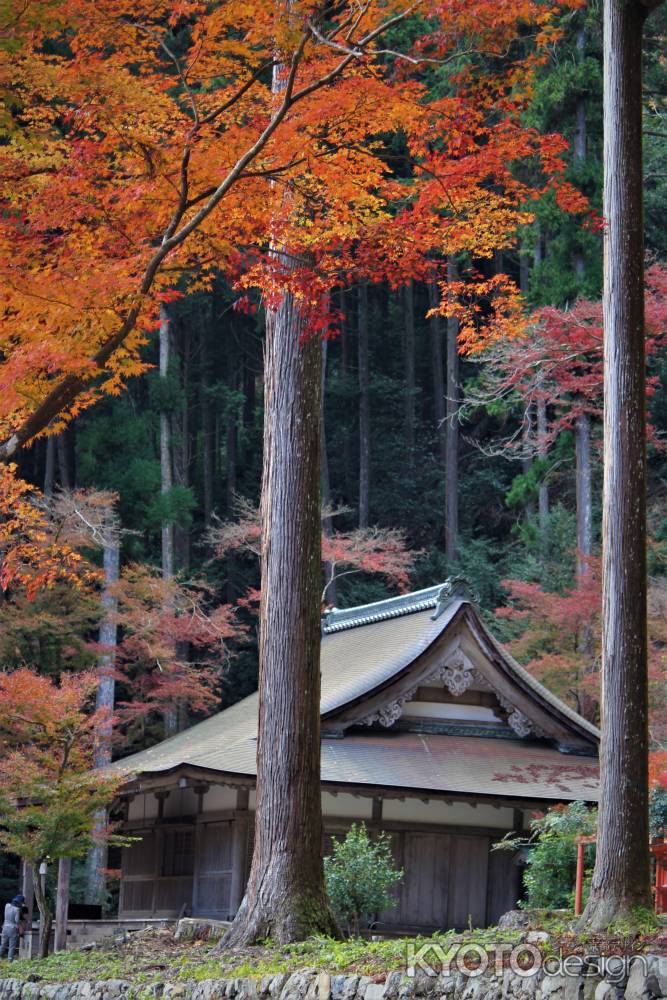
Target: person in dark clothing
column 11, row 927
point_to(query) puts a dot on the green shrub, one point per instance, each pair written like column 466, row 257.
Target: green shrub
column 360, row 875
column 552, row 860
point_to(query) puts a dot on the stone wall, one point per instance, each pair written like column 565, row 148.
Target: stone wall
column 644, row 979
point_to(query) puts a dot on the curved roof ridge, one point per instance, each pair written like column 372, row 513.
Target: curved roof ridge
column 527, row 678
column 338, row 619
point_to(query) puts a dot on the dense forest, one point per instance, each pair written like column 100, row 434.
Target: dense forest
column 444, row 452
column 486, row 465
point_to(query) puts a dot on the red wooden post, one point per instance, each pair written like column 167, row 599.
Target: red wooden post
column 579, row 884
column 659, row 850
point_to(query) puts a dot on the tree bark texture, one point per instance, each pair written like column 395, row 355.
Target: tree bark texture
column 543, row 495
column 206, row 426
column 166, row 472
column 439, row 403
column 582, row 440
column 49, row 466
column 45, row 915
column 330, row 595
column 166, row 485
column 286, row 897
column 364, row 408
column 621, row 879
column 96, row 860
column 452, row 443
column 580, row 141
column 62, row 903
column 409, row 362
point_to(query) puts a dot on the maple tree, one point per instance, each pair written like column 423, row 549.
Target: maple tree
column 50, row 797
column 160, row 619
column 551, row 629
column 132, row 135
column 362, row 550
column 558, row 361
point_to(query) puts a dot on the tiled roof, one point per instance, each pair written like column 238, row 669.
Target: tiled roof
column 364, row 649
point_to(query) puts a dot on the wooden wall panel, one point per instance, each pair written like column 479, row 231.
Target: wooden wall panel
column 468, row 873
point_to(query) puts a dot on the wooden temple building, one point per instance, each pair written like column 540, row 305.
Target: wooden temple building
column 430, row 731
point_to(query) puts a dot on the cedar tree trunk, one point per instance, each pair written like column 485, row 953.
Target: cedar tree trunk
column 285, row 897
column 452, row 443
column 621, row 880
column 364, row 409
column 438, row 374
column 409, row 362
column 96, row 860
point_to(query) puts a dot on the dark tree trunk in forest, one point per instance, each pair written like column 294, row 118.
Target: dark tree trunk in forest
column 181, row 450
column 63, row 461
column 232, row 429
column 166, row 474
column 439, row 404
column 580, row 141
column 582, row 439
column 166, row 485
column 527, row 460
column 206, row 425
column 452, row 444
column 409, row 363
column 621, row 879
column 49, row 466
column 364, row 408
column 286, row 897
column 345, row 371
column 96, row 860
column 330, row 595
column 542, row 451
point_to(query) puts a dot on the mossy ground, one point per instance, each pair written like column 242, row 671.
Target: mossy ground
column 156, row 956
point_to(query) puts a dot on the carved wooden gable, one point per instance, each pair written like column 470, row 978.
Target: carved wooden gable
column 460, row 682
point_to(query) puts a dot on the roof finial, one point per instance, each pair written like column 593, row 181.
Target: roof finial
column 454, row 587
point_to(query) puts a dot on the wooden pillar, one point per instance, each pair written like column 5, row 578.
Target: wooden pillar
column 376, row 814
column 239, row 850
column 62, row 904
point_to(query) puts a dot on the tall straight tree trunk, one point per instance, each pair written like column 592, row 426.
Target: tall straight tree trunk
column 582, row 439
column 621, row 879
column 409, row 363
column 45, row 914
column 345, row 299
column 364, row 408
column 452, row 442
column 166, row 472
column 439, row 404
column 206, row 423
column 62, row 903
column 181, row 452
column 49, row 465
column 580, row 140
column 527, row 460
column 170, row 714
column 330, row 595
column 232, row 429
column 286, row 896
column 542, row 451
column 96, row 860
